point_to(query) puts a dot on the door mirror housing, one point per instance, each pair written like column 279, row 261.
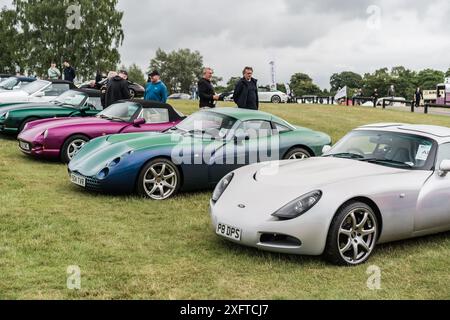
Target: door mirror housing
column 444, row 168
column 326, row 149
column 139, row 122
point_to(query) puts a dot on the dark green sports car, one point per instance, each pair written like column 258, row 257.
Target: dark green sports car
column 72, row 103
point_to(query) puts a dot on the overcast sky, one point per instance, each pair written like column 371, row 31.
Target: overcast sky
column 318, row 37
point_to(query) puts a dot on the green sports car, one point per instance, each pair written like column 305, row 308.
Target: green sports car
column 72, row 103
column 195, row 154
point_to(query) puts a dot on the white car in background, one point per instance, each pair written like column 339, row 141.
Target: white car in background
column 37, row 91
column 388, row 103
column 266, row 95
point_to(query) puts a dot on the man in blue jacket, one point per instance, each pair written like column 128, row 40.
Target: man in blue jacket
column 156, row 90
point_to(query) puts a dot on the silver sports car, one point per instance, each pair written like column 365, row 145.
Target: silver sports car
column 380, row 183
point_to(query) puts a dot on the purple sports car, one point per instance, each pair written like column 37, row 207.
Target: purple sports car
column 62, row 138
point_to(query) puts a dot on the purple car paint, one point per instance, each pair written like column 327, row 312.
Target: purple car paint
column 47, row 138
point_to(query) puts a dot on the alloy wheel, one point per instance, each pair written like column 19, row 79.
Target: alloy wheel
column 160, row 181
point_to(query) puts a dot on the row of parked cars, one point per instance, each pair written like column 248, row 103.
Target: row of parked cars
column 278, row 187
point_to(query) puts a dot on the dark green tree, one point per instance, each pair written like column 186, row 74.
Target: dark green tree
column 231, row 84
column 136, row 74
column 11, row 49
column 447, row 74
column 302, row 84
column 87, row 33
column 381, row 79
column 180, row 69
column 347, row 78
column 428, row 79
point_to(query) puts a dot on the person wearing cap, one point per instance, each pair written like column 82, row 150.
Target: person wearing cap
column 156, row 90
column 117, row 88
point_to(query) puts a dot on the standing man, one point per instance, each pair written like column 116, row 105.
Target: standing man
column 69, row 72
column 375, row 96
column 117, row 88
column 53, row 72
column 419, row 97
column 206, row 92
column 156, row 90
column 246, row 91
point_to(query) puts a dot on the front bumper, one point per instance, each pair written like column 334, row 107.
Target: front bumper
column 296, row 236
column 37, row 150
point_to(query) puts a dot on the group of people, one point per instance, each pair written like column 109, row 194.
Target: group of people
column 418, row 95
column 245, row 92
column 68, row 73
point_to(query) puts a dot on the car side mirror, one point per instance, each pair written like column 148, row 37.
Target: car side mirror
column 39, row 94
column 326, row 149
column 240, row 137
column 139, row 122
column 444, row 168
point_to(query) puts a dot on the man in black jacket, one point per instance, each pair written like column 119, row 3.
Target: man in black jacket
column 206, row 91
column 117, row 88
column 69, row 72
column 246, row 91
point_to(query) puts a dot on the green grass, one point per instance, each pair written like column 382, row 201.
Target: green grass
column 130, row 248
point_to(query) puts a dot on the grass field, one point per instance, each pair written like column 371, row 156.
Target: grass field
column 130, row 248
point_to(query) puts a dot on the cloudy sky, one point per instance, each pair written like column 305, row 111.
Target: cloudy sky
column 318, row 37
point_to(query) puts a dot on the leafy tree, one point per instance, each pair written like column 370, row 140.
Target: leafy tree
column 180, row 70
column 231, row 84
column 447, row 74
column 428, row 79
column 405, row 81
column 347, row 78
column 381, row 79
column 302, row 84
column 53, row 30
column 136, row 74
column 10, row 51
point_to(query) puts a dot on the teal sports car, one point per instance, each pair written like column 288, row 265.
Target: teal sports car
column 194, row 155
column 72, row 103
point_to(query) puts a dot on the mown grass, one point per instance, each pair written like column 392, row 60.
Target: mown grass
column 130, row 248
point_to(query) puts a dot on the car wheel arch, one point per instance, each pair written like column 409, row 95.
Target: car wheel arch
column 370, row 203
column 71, row 136
column 160, row 157
column 301, row 146
column 26, row 120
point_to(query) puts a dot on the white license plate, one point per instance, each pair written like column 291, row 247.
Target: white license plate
column 24, row 145
column 80, row 181
column 229, row 232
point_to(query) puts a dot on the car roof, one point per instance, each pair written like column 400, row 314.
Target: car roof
column 174, row 115
column 243, row 114
column 439, row 133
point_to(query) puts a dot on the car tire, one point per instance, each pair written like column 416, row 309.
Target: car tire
column 159, row 179
column 132, row 94
column 71, row 147
column 353, row 235
column 297, row 154
column 276, row 99
column 22, row 125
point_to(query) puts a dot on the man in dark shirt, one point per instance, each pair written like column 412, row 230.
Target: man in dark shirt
column 69, row 72
column 206, row 92
column 246, row 91
column 117, row 88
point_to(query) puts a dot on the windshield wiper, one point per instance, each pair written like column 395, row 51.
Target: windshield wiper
column 202, row 132
column 387, row 161
column 347, row 155
column 117, row 119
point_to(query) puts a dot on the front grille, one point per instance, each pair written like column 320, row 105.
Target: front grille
column 93, row 184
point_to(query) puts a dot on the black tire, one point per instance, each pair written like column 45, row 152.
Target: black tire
column 22, row 125
column 132, row 93
column 336, row 244
column 276, row 99
column 299, row 153
column 156, row 190
column 65, row 157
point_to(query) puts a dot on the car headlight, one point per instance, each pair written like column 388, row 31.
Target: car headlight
column 222, row 186
column 45, row 134
column 5, row 115
column 299, row 206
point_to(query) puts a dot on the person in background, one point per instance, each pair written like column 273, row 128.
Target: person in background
column 375, row 96
column 419, row 97
column 156, row 90
column 53, row 72
column 246, row 91
column 103, row 88
column 69, row 72
column 206, row 92
column 117, row 88
column 391, row 94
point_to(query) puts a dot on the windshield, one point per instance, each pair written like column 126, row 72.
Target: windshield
column 392, row 149
column 9, row 83
column 208, row 123
column 124, row 111
column 35, row 86
column 71, row 98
